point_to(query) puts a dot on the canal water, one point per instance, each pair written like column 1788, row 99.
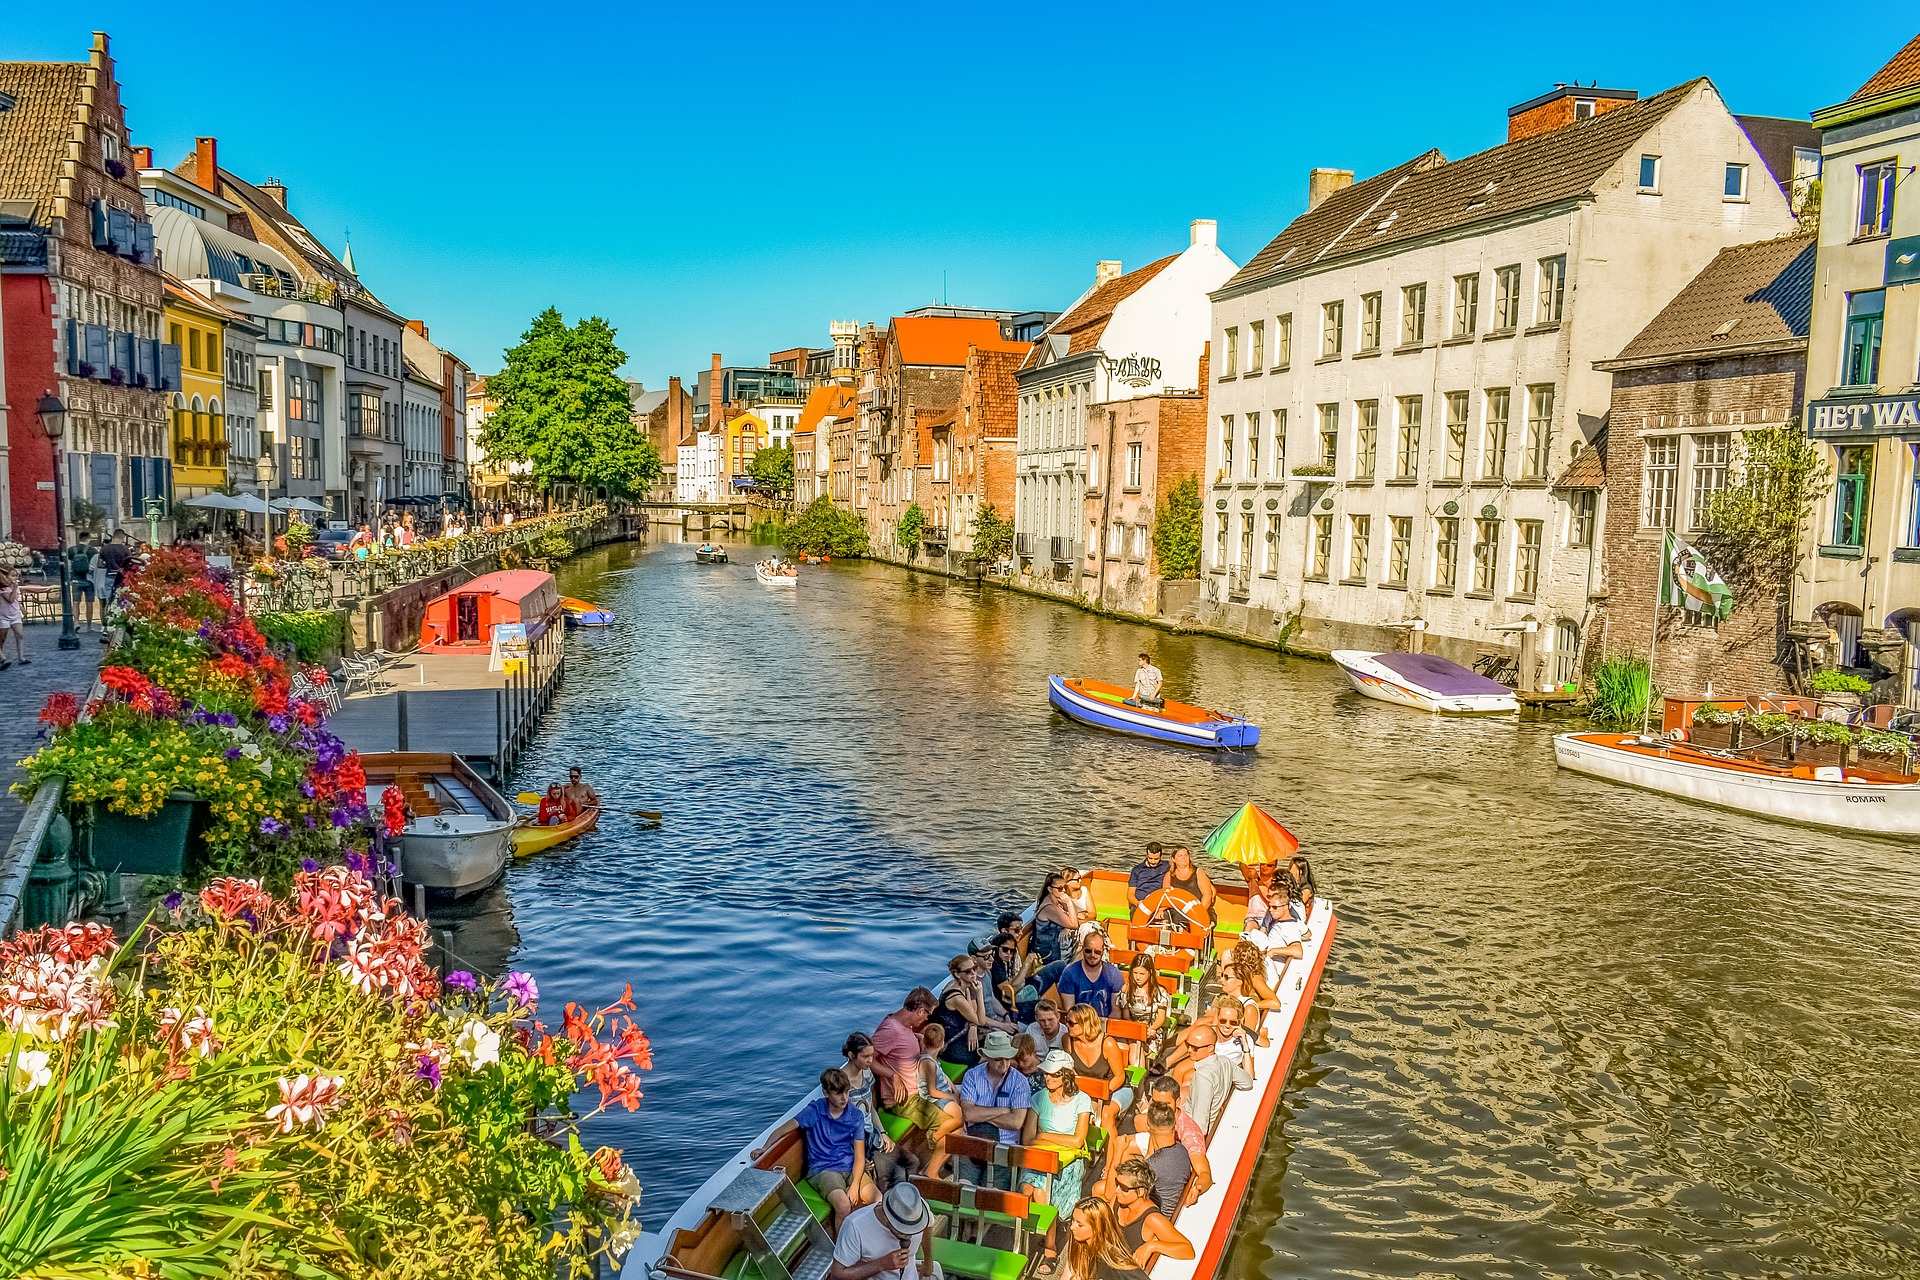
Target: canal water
column 1567, row 1029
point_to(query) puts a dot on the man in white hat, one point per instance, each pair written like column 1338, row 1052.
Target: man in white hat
column 996, row 1102
column 886, row 1240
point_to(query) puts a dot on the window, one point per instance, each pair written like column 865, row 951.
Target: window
column 1322, row 547
column 1486, row 555
column 1446, row 552
column 365, row 414
column 297, row 457
column 1650, row 173
column 1370, row 322
column 1253, row 446
column 1134, row 451
column 1246, row 541
column 1466, row 305
column 1657, row 482
column 1581, row 506
column 1526, row 558
column 1329, row 435
column 1913, row 500
column 1256, row 346
column 1233, row 354
column 1736, row 184
column 1283, row 341
column 1851, row 486
column 173, row 201
column 1710, row 457
column 1116, row 533
column 1139, row 542
column 193, row 348
column 1866, row 312
column 1406, row 445
column 1399, row 550
column 1279, row 453
column 1220, row 542
column 1456, row 462
column 266, row 391
column 1493, row 452
column 1539, row 432
column 1413, row 315
column 1270, row 553
column 1553, row 290
column 1506, row 298
column 1226, row 446
column 1359, row 538
column 1366, row 445
column 1333, row 321
column 1876, row 197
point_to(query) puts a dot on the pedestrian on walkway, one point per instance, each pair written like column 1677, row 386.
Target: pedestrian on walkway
column 12, row 623
column 80, row 574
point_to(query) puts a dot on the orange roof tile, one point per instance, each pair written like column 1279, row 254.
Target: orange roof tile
column 830, row 401
column 943, row 340
column 1084, row 325
column 1903, row 72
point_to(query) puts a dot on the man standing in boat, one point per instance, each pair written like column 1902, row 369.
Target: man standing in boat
column 1146, row 686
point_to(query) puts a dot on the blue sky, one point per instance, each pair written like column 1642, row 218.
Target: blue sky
column 732, row 177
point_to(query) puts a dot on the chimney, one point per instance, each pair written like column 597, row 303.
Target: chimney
column 1565, row 104
column 1322, row 183
column 677, row 406
column 418, row 326
column 1203, row 231
column 143, row 157
column 206, row 164
column 276, row 191
column 1105, row 271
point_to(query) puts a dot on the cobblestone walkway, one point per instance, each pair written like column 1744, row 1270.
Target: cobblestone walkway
column 24, row 690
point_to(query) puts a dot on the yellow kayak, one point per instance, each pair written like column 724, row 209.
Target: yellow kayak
column 530, row 839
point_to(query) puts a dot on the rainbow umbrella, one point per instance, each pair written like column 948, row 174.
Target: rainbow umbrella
column 1251, row 835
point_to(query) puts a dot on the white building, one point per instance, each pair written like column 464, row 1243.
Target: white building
column 698, row 475
column 1130, row 335
column 422, row 451
column 1401, row 375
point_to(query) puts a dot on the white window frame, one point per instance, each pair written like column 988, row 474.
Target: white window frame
column 1651, row 188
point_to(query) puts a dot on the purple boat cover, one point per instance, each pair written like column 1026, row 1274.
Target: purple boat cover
column 1449, row 679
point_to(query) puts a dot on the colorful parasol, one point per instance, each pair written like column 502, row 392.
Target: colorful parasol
column 1251, row 835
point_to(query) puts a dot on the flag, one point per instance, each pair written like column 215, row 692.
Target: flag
column 1686, row 579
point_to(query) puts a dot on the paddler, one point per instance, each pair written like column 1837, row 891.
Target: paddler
column 1146, row 686
column 579, row 796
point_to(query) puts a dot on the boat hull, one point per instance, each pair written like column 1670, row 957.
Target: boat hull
column 776, row 579
column 1215, row 734
column 530, row 839
column 710, row 557
column 455, row 853
column 1875, row 808
column 1375, row 681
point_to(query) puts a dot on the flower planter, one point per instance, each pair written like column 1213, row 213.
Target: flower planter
column 1777, row 750
column 1715, row 737
column 156, row 845
column 1898, row 766
column 1816, row 755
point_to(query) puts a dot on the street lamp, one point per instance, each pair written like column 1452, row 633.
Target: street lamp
column 53, row 420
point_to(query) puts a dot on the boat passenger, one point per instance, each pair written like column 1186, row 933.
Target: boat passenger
column 1143, row 999
column 1231, row 1039
column 963, row 1013
column 995, row 1101
column 1241, row 974
column 1054, row 916
column 1044, row 982
column 858, row 1066
column 1148, row 1232
column 1026, row 1060
column 1210, row 1079
column 834, row 1132
column 1092, row 979
column 1062, row 1118
column 1096, row 1250
column 935, row 1095
column 1046, row 1029
column 896, row 1047
column 1146, row 686
column 1007, row 971
column 1097, row 1056
column 578, row 793
column 1079, row 893
column 1147, row 877
column 1278, row 934
column 1009, row 922
column 1302, row 872
column 1164, row 1089
column 886, row 1240
column 1185, row 876
column 553, row 808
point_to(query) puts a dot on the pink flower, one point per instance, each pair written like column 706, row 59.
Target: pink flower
column 304, row 1100
column 198, row 1035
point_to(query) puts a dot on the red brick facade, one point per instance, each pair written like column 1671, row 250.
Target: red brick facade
column 986, row 425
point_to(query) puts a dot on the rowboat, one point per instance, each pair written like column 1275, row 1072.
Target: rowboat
column 1425, row 682
column 1104, row 707
column 530, row 839
column 581, row 613
column 757, row 1217
column 774, row 576
column 707, row 553
column 459, row 833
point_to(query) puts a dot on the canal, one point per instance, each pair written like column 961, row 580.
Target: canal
column 1568, row 1028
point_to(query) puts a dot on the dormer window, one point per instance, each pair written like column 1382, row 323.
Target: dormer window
column 1583, row 108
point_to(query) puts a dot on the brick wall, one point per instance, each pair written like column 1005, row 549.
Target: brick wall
column 1738, row 656
column 27, row 301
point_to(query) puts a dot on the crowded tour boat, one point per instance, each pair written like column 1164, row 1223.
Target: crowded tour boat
column 999, row 1125
column 777, row 573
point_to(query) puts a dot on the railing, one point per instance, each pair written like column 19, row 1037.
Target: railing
column 934, row 534
column 1238, row 577
column 16, row 864
column 272, row 286
column 1062, row 550
column 1023, row 545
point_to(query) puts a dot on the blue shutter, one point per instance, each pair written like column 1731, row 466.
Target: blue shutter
column 102, row 237
column 136, row 486
column 143, row 362
column 76, row 347
column 99, row 350
column 143, row 242
column 120, row 231
column 170, row 367
column 102, row 486
column 163, row 470
column 123, row 356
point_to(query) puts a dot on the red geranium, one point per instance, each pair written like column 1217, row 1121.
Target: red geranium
column 62, row 711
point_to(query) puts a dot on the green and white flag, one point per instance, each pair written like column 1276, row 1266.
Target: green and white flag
column 1687, row 579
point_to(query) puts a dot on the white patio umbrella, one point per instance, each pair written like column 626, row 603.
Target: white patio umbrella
column 298, row 504
column 219, row 502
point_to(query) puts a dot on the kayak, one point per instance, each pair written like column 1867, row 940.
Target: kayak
column 530, row 839
column 1103, row 706
column 581, row 613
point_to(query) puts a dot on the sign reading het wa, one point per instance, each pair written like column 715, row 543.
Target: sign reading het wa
column 1135, row 370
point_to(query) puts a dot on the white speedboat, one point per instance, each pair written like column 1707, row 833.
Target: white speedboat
column 1823, row 797
column 775, row 574
column 1425, row 682
column 459, row 833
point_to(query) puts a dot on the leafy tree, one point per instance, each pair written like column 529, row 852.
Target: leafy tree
column 822, row 529
column 1751, row 529
column 772, row 471
column 1176, row 530
column 907, row 532
column 563, row 407
column 992, row 534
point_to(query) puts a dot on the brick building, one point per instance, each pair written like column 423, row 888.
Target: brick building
column 985, row 433
column 1726, row 356
column 665, row 418
column 826, row 407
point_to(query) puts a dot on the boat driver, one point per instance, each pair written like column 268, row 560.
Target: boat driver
column 1146, row 686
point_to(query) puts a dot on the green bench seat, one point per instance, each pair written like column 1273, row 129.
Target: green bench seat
column 963, row 1259
column 1040, row 1217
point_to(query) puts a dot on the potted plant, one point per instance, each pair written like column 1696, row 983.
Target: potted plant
column 1884, row 752
column 1716, row 726
column 1821, row 743
column 1838, row 689
column 1769, row 735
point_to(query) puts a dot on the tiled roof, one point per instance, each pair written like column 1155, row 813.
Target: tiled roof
column 33, row 135
column 1083, row 326
column 1750, row 294
column 829, row 401
column 1903, row 72
column 1588, row 470
column 996, row 397
column 1429, row 194
column 178, row 295
column 23, row 247
column 943, row 340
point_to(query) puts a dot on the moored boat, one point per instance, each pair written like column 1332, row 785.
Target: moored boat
column 776, row 573
column 582, row 613
column 1093, row 702
column 708, row 553
column 1425, row 682
column 459, row 830
column 529, row 838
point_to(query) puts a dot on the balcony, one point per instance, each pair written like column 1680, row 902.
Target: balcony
column 934, row 535
column 1238, row 581
column 1023, row 545
column 269, row 285
column 1062, row 550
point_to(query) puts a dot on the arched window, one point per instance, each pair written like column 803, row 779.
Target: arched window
column 1845, row 620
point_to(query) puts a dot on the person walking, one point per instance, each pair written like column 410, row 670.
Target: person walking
column 12, row 623
column 80, row 576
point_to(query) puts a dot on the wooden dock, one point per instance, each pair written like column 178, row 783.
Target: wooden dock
column 452, row 702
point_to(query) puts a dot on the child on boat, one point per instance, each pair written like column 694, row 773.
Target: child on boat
column 553, row 808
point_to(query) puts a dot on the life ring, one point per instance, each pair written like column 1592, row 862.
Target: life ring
column 1179, row 901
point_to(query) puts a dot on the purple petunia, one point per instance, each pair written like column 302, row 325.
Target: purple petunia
column 428, row 1070
column 306, row 789
column 309, row 866
column 356, row 863
column 272, row 827
column 521, row 987
column 461, row 980
column 172, row 902
column 277, row 723
column 339, row 818
column 233, row 753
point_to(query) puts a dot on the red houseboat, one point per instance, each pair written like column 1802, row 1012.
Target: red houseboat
column 462, row 620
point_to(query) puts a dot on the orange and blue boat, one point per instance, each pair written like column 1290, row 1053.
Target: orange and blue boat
column 1104, row 706
column 582, row 613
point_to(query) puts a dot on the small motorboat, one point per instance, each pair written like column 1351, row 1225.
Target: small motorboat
column 581, row 613
column 529, row 838
column 458, row 835
column 1425, row 682
column 1104, row 707
column 777, row 573
column 708, row 553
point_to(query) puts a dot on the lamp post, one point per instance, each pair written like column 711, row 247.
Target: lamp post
column 53, row 420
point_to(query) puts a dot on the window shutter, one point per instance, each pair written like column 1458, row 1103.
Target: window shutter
column 98, row 350
column 158, row 478
column 102, row 237
column 170, row 367
column 120, row 231
column 136, row 485
column 163, row 469
column 143, row 242
column 123, row 355
column 76, row 347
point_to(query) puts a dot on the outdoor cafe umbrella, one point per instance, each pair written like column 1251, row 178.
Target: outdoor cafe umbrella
column 220, row 502
column 1251, row 835
column 297, row 504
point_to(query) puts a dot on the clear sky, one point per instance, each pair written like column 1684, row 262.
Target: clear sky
column 724, row 177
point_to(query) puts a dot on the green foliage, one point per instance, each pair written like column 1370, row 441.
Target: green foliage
column 563, row 407
column 1751, row 530
column 1176, row 530
column 907, row 531
column 1839, row 682
column 823, row 529
column 552, row 545
column 1621, row 693
column 298, row 537
column 1771, row 724
column 1314, row 469
column 1714, row 713
column 992, row 534
column 311, row 632
column 85, row 517
column 1831, row 731
column 1881, row 743
column 772, row 470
